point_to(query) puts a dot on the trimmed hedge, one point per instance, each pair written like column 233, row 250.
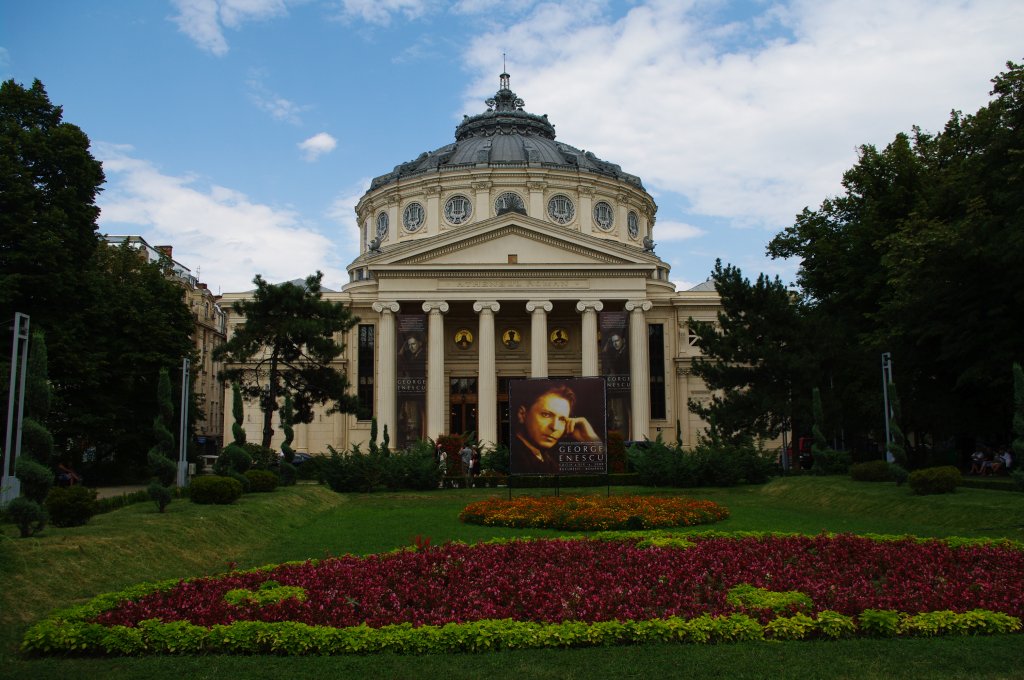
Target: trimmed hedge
column 72, row 635
column 214, row 490
column 71, row 506
column 935, row 480
column 261, row 480
column 871, row 471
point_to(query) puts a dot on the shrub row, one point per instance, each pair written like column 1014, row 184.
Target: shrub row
column 709, row 464
column 66, row 636
column 871, row 471
column 215, row 490
column 935, row 480
column 355, row 471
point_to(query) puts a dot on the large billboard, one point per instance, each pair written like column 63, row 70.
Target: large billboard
column 615, row 368
column 412, row 379
column 558, row 426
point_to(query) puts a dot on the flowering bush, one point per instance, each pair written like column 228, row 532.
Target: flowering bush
column 593, row 513
column 520, row 594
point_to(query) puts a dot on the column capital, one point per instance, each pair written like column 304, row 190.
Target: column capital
column 537, row 186
column 639, row 305
column 386, row 306
column 434, row 190
column 585, row 305
column 534, row 305
column 439, row 305
column 488, row 305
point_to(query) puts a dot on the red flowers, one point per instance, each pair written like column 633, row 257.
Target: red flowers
column 593, row 513
column 588, row 580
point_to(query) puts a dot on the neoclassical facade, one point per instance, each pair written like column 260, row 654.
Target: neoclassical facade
column 508, row 255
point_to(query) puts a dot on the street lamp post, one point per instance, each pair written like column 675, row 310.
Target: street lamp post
column 886, row 380
column 183, row 427
column 10, row 486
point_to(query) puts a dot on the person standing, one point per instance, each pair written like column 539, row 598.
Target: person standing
column 467, row 462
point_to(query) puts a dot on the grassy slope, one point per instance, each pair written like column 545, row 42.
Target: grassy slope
column 137, row 544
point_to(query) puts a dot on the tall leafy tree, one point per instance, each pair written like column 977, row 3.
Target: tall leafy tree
column 919, row 256
column 756, row 359
column 287, row 346
column 48, row 187
column 141, row 325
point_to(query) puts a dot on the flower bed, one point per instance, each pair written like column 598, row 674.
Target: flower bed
column 520, row 594
column 593, row 513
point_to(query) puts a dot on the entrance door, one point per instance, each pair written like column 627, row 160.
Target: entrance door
column 462, row 398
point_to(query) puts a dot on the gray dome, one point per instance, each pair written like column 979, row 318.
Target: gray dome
column 505, row 136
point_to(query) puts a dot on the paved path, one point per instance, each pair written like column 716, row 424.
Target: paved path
column 109, row 491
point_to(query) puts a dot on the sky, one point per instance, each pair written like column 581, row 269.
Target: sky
column 243, row 132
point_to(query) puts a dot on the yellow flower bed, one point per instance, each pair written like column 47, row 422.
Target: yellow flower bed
column 593, row 513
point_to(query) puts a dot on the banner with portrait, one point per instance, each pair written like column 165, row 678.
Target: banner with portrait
column 558, row 426
column 411, row 392
column 615, row 369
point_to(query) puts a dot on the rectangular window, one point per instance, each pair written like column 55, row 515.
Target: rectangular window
column 365, row 360
column 656, row 354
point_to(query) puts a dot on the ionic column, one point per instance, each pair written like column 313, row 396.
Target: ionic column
column 487, row 376
column 387, row 354
column 639, row 369
column 589, row 310
column 539, row 337
column 436, row 401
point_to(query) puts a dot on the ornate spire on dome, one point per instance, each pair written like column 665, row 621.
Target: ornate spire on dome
column 504, row 116
column 505, row 99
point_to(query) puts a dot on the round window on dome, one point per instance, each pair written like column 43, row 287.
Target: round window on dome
column 560, row 209
column 458, row 209
column 413, row 217
column 509, row 202
column 382, row 226
column 603, row 216
column 633, row 224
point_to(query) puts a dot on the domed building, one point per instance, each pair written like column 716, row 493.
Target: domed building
column 503, row 255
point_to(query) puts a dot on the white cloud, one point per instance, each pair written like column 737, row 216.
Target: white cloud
column 380, row 11
column 317, row 146
column 220, row 230
column 270, row 102
column 343, row 212
column 204, row 20
column 753, row 120
column 668, row 230
column 491, row 6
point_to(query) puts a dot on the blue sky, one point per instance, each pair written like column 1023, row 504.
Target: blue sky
column 244, row 131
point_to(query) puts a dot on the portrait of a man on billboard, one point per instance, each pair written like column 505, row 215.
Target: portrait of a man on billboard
column 558, row 426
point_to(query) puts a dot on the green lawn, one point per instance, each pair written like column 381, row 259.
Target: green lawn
column 137, row 544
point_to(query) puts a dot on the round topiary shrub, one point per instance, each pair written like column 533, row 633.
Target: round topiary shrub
column 27, row 515
column 36, row 479
column 935, row 480
column 71, row 506
column 232, row 458
column 215, row 490
column 261, row 480
column 871, row 471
